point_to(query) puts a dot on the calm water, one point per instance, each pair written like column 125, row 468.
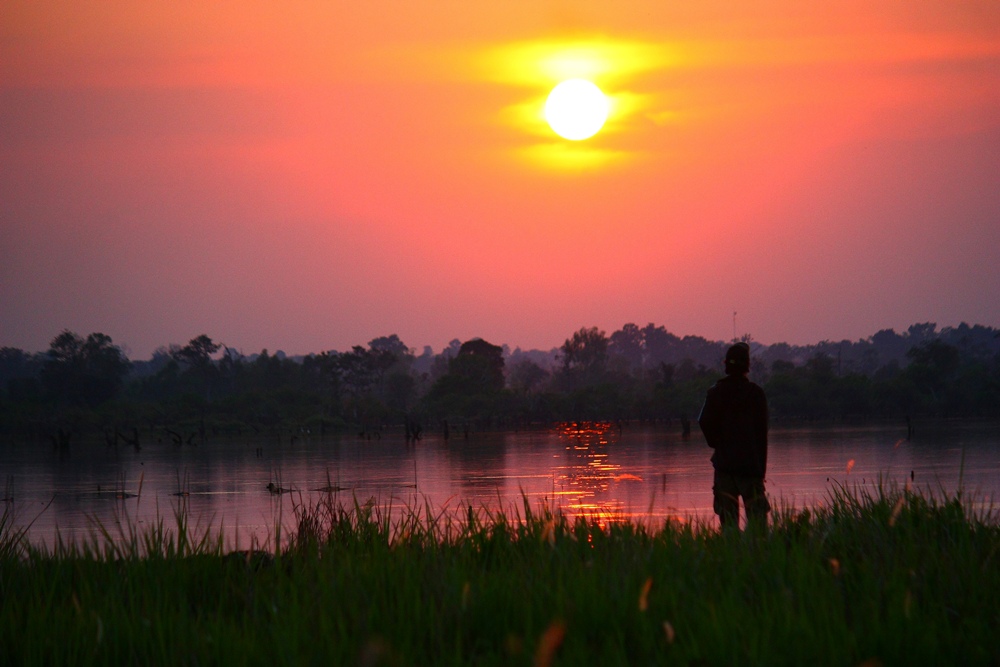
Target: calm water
column 649, row 474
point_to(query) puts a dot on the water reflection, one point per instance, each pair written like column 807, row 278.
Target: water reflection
column 590, row 468
column 588, row 472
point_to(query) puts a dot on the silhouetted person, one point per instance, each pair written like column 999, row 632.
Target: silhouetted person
column 734, row 421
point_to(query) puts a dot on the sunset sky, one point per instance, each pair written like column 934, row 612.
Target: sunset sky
column 311, row 175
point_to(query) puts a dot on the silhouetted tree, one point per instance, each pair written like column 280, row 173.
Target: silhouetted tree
column 195, row 361
column 472, row 385
column 391, row 344
column 481, row 363
column 358, row 370
column 627, row 343
column 526, row 376
column 197, row 353
column 660, row 345
column 19, row 373
column 584, row 356
column 933, row 365
column 84, row 371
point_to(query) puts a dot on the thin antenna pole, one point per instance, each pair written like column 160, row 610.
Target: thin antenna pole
column 734, row 326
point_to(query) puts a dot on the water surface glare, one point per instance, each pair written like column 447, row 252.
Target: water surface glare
column 647, row 474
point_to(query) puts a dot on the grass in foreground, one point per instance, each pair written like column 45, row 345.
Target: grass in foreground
column 876, row 576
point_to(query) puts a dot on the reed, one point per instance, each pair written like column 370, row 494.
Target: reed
column 877, row 573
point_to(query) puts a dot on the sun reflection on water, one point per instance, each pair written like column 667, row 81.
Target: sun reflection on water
column 587, row 471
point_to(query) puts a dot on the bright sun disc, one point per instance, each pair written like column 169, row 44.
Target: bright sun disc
column 576, row 109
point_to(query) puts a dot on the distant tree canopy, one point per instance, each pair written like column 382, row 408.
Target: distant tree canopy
column 83, row 371
column 584, row 359
column 481, row 364
column 471, row 387
column 635, row 373
column 197, row 353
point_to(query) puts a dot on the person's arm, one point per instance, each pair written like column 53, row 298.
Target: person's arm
column 708, row 420
column 763, row 426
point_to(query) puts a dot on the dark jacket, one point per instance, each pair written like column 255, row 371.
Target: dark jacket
column 734, row 421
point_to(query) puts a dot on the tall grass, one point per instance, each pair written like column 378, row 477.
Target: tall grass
column 875, row 574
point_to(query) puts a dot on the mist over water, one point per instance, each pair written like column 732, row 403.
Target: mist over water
column 646, row 474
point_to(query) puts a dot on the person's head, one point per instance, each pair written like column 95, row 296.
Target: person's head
column 738, row 359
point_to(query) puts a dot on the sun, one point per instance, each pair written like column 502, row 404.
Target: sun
column 576, row 109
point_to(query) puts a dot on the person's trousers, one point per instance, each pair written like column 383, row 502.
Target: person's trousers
column 728, row 489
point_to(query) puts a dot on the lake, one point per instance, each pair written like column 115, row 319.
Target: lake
column 647, row 474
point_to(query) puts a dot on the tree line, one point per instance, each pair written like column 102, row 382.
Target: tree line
column 87, row 387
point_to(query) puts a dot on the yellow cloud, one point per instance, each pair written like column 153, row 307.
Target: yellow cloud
column 543, row 63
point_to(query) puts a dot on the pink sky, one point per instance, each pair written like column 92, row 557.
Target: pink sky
column 312, row 175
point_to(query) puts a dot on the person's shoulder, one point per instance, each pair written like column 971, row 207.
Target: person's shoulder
column 741, row 384
column 717, row 388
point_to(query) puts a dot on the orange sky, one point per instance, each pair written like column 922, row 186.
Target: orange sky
column 311, row 175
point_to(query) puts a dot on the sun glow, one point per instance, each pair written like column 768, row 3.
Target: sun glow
column 616, row 100
column 576, row 109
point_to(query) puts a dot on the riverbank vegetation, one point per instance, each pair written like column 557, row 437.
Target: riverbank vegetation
column 873, row 576
column 86, row 387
